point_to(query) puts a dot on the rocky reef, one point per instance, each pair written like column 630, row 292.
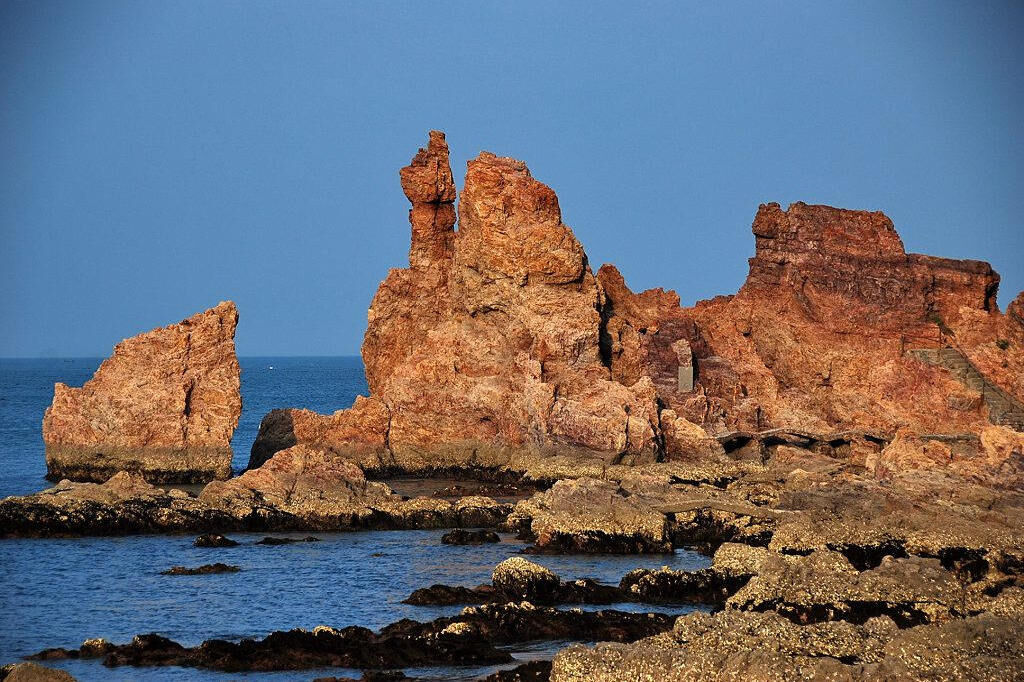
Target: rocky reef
column 164, row 405
column 843, row 436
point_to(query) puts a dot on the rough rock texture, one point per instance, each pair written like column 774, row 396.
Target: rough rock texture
column 301, row 489
column 517, row 579
column 816, row 338
column 499, row 346
column 488, row 346
column 165, row 405
column 734, row 645
column 33, row 672
column 613, row 520
column 466, row 639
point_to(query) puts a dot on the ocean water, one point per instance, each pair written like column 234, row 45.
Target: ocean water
column 58, row 592
column 26, row 390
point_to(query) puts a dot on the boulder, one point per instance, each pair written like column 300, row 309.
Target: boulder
column 164, row 405
column 589, row 515
column 517, row 579
column 33, row 672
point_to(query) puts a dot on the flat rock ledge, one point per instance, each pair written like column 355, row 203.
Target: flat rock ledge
column 126, row 504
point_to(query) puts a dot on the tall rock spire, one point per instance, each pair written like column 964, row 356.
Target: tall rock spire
column 427, row 182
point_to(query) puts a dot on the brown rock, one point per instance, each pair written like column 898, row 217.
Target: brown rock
column 588, row 515
column 301, row 481
column 487, row 347
column 33, row 672
column 165, row 404
column 498, row 345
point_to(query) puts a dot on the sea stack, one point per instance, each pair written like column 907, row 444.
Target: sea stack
column 164, row 405
column 499, row 345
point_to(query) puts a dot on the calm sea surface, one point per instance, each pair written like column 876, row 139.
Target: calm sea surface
column 58, row 592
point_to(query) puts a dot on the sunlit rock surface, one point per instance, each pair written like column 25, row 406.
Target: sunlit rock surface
column 165, row 405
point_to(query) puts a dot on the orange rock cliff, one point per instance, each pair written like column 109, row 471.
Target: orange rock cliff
column 165, row 405
column 499, row 342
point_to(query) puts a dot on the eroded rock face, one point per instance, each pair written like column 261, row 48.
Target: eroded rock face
column 165, row 405
column 487, row 347
column 498, row 345
column 764, row 646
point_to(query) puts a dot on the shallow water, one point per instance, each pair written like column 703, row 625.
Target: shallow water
column 58, row 592
column 26, row 389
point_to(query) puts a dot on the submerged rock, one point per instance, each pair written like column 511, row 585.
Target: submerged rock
column 205, row 569
column 286, row 541
column 532, row 671
column 165, row 405
column 214, row 540
column 460, row 536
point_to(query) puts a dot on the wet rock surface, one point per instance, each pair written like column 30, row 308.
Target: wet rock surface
column 205, row 569
column 214, row 540
column 286, row 541
column 165, row 405
column 467, row 639
column 517, row 578
column 301, row 490
column 533, row 671
column 461, row 536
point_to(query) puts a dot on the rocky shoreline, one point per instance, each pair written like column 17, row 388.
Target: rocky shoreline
column 843, row 436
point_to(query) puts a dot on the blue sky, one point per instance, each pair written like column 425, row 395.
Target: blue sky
column 156, row 158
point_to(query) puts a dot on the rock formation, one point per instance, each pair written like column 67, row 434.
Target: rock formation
column 499, row 345
column 165, row 405
column 487, row 347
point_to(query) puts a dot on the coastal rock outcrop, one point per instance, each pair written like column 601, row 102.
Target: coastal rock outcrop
column 164, row 405
column 820, row 336
column 487, row 347
column 498, row 345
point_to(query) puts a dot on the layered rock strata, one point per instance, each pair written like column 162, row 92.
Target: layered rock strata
column 164, row 405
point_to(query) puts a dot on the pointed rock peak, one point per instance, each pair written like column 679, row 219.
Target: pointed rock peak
column 499, row 185
column 428, row 177
column 510, row 223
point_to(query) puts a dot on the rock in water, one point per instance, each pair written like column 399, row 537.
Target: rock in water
column 214, row 540
column 165, row 405
column 461, row 536
column 205, row 569
column 33, row 672
column 516, row 578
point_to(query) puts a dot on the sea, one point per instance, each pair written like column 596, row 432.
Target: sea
column 59, row 592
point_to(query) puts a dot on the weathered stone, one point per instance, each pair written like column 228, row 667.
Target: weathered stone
column 587, row 515
column 205, row 569
column 165, row 405
column 518, row 579
column 461, row 536
column 33, row 672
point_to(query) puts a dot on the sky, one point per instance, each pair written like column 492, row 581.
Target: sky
column 156, row 158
